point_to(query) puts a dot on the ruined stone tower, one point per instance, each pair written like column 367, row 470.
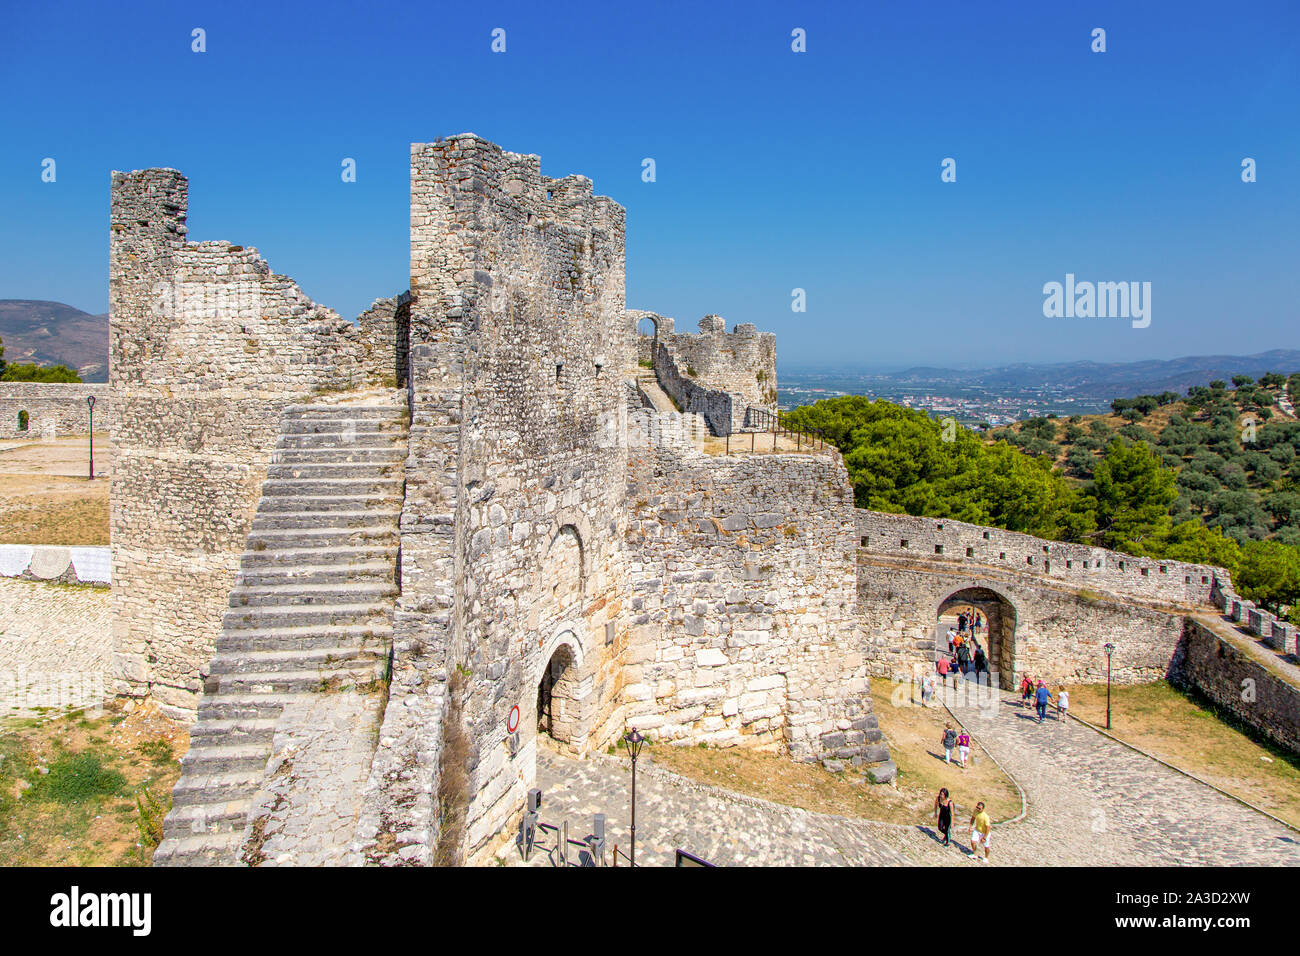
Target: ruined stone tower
column 376, row 560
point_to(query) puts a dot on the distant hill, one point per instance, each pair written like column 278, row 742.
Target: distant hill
column 1111, row 378
column 49, row 333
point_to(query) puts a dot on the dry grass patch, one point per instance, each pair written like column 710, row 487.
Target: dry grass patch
column 72, row 787
column 53, row 510
column 1189, row 733
column 913, row 734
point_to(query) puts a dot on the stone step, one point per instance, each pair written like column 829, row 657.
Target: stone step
column 279, row 556
column 198, row 818
column 368, row 572
column 238, row 730
column 387, row 413
column 211, row 757
column 298, row 594
column 382, row 518
column 377, row 637
column 208, row 849
column 322, row 660
column 390, row 486
column 349, row 438
column 319, row 456
column 304, row 504
column 216, row 788
column 348, row 675
column 340, row 426
column 231, row 706
column 322, row 535
column 334, row 469
column 260, row 618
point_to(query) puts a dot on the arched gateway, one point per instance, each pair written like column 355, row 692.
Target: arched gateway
column 998, row 634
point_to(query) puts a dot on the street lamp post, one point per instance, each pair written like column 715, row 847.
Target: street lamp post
column 634, row 742
column 90, row 401
column 1110, row 649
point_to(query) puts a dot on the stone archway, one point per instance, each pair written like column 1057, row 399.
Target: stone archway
column 999, row 634
column 559, row 699
column 647, row 339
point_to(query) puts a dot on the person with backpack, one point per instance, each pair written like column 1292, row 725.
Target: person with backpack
column 949, row 741
column 963, row 747
column 1026, row 691
column 963, row 658
column 943, row 810
column 1042, row 697
column 981, row 662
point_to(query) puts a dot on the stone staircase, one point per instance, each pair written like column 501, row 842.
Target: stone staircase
column 649, row 386
column 311, row 612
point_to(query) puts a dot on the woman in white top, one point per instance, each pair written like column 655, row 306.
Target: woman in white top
column 1063, row 703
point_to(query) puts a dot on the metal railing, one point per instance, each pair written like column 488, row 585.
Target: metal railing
column 764, row 422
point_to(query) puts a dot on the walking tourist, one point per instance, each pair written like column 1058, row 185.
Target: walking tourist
column 963, row 747
column 949, row 741
column 1042, row 697
column 961, row 623
column 1062, row 704
column 981, row 662
column 943, row 808
column 1026, row 691
column 980, row 831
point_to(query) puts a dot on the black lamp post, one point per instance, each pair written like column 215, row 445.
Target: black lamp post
column 90, row 401
column 1110, row 649
column 634, row 742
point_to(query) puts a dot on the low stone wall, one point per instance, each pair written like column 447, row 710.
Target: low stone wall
column 52, row 409
column 1240, row 685
column 70, row 565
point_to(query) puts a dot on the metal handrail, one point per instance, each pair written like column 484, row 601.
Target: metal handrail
column 778, row 426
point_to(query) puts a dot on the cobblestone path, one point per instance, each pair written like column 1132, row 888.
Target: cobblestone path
column 1091, row 802
column 56, row 646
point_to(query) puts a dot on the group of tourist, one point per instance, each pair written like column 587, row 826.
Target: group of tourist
column 965, row 655
column 1036, row 694
column 980, row 826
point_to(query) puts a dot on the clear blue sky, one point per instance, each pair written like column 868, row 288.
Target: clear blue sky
column 776, row 170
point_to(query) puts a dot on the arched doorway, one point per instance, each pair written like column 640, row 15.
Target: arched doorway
column 647, row 339
column 997, row 634
column 557, row 711
column 23, row 420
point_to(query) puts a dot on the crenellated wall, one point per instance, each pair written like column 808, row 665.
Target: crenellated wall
column 717, row 373
column 207, row 347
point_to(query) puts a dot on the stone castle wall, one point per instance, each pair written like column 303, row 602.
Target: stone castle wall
column 54, row 410
column 1243, row 686
column 698, row 371
column 742, row 603
column 207, row 346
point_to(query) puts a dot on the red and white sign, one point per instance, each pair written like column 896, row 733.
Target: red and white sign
column 512, row 722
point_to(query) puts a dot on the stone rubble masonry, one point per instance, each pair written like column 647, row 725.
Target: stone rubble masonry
column 717, row 373
column 1054, row 605
column 54, row 409
column 743, row 605
column 1241, row 685
column 1279, row 634
column 207, row 347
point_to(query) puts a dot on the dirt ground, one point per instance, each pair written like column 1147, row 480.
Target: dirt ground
column 72, row 787
column 46, row 496
column 913, row 733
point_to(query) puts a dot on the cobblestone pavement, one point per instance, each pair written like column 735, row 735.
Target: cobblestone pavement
column 55, row 646
column 1090, row 802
